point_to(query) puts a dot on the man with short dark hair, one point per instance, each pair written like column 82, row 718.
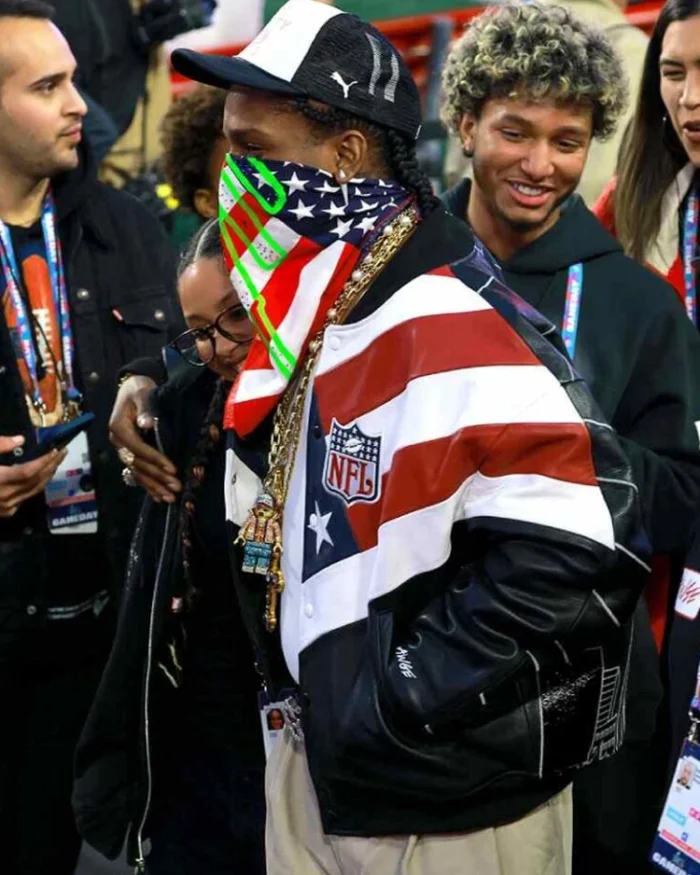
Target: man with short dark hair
column 86, row 284
column 528, row 88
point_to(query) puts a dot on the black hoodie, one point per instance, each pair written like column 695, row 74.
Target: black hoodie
column 636, row 349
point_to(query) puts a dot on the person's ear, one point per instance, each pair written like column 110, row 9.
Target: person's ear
column 467, row 131
column 206, row 203
column 351, row 149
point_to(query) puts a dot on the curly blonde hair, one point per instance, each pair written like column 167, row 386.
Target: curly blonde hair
column 538, row 52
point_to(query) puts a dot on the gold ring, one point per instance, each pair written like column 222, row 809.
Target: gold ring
column 126, row 456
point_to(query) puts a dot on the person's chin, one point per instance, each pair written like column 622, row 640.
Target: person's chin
column 692, row 150
column 526, row 220
column 67, row 159
column 229, row 373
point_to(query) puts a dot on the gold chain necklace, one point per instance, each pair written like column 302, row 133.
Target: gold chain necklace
column 261, row 534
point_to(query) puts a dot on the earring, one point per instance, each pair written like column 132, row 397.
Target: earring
column 342, row 175
column 468, row 151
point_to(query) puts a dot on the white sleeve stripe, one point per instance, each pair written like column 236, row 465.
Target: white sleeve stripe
column 542, row 501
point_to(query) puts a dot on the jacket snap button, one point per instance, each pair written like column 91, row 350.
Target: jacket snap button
column 94, row 377
column 334, row 343
column 31, row 610
column 158, row 315
column 83, row 294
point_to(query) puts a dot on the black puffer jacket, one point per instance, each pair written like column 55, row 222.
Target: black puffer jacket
column 120, row 272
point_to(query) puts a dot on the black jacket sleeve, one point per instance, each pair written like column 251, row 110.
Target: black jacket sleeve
column 560, row 564
column 659, row 416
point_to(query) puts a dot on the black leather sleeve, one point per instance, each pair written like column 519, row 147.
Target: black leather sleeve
column 568, row 573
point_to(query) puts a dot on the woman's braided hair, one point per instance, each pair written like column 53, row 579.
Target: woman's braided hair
column 393, row 149
column 205, row 244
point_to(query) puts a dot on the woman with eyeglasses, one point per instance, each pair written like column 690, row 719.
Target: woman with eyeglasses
column 173, row 747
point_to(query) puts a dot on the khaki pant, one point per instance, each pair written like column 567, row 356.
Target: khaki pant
column 538, row 844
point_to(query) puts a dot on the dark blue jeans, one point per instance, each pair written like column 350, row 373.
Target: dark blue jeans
column 211, row 820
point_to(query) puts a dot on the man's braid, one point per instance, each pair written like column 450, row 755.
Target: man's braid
column 395, row 150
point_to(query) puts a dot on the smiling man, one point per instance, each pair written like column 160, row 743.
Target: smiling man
column 527, row 89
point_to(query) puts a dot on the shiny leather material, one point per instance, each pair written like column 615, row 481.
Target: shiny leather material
column 512, row 663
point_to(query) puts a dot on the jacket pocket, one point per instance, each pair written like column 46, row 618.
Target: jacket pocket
column 143, row 324
column 376, row 745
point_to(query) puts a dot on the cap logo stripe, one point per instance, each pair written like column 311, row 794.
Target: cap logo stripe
column 391, row 85
column 377, row 63
column 390, row 90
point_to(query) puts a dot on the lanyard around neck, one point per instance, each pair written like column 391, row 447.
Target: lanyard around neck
column 690, row 240
column 572, row 308
column 24, row 319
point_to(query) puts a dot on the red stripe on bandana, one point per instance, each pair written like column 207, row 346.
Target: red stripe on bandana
column 284, row 285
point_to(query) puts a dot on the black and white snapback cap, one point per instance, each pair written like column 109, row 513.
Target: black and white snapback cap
column 313, row 50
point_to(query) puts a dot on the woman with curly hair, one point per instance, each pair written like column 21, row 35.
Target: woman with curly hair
column 194, row 148
column 527, row 89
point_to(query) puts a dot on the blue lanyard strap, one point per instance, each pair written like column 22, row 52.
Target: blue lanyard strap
column 572, row 308
column 24, row 323
column 690, row 240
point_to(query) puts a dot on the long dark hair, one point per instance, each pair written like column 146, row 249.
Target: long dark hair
column 654, row 154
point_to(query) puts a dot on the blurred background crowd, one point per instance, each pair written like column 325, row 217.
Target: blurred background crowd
column 159, row 134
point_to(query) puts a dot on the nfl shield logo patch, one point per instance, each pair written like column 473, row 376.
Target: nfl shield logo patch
column 352, row 464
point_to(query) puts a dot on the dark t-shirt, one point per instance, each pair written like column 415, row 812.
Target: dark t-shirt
column 220, row 683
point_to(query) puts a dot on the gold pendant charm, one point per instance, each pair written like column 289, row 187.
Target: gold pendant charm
column 259, row 534
column 275, row 586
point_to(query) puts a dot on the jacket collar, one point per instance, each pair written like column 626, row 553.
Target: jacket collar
column 74, row 193
column 439, row 240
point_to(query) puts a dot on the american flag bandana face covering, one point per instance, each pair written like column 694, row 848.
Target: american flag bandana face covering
column 291, row 236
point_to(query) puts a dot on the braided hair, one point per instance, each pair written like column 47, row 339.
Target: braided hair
column 206, row 243
column 394, row 150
